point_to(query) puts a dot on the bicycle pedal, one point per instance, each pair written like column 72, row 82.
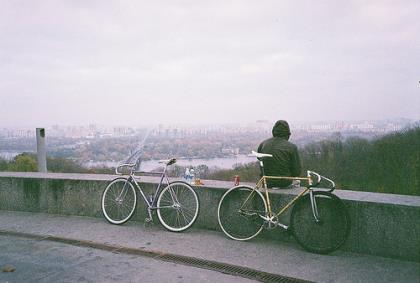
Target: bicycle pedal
column 148, row 220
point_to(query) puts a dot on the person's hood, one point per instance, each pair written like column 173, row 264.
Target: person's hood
column 281, row 129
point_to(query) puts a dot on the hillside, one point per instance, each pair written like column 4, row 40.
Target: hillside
column 390, row 164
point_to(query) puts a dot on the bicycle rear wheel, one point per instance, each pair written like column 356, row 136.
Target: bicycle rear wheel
column 239, row 213
column 119, row 201
column 177, row 206
column 330, row 232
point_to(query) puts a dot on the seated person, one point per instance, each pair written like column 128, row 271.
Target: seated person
column 285, row 160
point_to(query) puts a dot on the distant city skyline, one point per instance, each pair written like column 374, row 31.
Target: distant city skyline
column 143, row 63
column 98, row 130
column 257, row 123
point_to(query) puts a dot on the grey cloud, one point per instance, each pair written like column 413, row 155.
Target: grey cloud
column 213, row 60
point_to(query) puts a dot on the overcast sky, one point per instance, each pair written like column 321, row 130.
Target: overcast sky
column 147, row 62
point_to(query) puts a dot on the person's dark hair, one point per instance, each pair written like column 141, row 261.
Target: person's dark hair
column 281, row 129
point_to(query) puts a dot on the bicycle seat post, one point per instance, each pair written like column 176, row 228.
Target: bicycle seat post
column 263, row 173
column 260, row 157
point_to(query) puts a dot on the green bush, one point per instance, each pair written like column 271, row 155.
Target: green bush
column 23, row 163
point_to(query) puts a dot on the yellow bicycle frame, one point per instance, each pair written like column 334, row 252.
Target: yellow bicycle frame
column 262, row 185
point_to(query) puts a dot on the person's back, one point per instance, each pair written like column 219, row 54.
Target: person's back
column 285, row 161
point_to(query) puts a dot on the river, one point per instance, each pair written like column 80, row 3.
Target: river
column 222, row 163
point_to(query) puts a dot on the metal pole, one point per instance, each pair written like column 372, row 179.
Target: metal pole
column 40, row 149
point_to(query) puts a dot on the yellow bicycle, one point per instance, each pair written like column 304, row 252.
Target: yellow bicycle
column 319, row 220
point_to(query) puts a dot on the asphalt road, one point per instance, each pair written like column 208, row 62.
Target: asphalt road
column 52, row 261
column 28, row 260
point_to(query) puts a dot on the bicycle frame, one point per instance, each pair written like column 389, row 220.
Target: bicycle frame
column 164, row 180
column 262, row 185
column 150, row 202
column 271, row 217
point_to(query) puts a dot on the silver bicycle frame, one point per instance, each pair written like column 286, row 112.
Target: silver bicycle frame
column 151, row 203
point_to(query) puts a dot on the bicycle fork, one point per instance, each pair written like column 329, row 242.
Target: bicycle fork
column 122, row 194
column 314, row 206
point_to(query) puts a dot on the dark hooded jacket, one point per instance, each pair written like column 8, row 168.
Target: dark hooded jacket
column 285, row 161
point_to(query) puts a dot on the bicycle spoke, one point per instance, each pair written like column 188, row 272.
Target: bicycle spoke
column 233, row 213
column 177, row 206
column 118, row 201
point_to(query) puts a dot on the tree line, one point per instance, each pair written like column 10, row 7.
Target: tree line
column 390, row 164
column 26, row 162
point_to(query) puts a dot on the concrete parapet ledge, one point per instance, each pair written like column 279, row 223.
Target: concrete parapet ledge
column 382, row 224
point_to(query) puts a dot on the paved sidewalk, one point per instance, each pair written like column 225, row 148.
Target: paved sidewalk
column 286, row 259
column 44, row 261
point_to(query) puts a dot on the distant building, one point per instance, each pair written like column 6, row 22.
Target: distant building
column 321, row 127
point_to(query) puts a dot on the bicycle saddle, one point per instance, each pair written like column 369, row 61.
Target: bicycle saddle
column 260, row 155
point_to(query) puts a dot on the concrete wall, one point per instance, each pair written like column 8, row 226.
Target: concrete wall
column 382, row 224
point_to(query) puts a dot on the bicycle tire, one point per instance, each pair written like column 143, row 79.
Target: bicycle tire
column 239, row 213
column 330, row 233
column 177, row 206
column 119, row 201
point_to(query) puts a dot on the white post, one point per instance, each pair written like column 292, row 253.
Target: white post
column 40, row 149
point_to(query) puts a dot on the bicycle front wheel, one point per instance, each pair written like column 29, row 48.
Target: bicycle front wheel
column 330, row 232
column 239, row 213
column 119, row 201
column 177, row 206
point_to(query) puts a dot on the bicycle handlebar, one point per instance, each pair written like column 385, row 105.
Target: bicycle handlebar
column 309, row 174
column 130, row 165
column 319, row 179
